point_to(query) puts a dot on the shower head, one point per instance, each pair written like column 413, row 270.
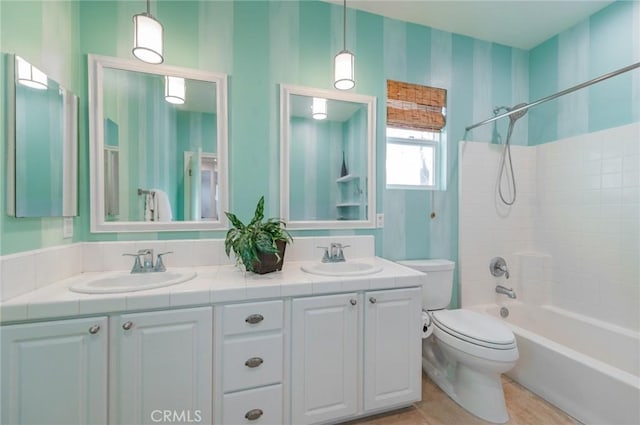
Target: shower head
column 516, row 116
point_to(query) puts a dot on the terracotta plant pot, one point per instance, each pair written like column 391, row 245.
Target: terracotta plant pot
column 270, row 262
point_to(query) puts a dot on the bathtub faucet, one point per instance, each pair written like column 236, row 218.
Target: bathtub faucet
column 498, row 267
column 509, row 292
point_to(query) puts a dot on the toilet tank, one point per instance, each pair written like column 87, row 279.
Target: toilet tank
column 436, row 292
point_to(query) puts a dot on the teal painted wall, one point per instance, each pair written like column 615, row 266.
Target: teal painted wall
column 262, row 44
column 607, row 41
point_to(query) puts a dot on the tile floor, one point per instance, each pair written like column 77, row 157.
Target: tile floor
column 525, row 408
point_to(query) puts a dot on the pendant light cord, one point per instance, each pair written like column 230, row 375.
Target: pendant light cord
column 149, row 7
column 344, row 26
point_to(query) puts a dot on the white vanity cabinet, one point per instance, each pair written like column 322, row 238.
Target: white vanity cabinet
column 54, row 372
column 324, row 357
column 392, row 348
column 353, row 354
column 161, row 362
column 249, row 363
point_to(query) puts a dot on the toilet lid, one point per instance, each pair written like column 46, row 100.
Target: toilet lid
column 475, row 328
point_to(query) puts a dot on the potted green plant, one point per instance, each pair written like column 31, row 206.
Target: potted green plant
column 260, row 245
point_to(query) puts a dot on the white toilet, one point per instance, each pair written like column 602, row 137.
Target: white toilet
column 467, row 351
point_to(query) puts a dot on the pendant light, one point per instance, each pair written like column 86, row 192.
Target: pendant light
column 174, row 90
column 319, row 108
column 30, row 76
column 344, row 63
column 147, row 38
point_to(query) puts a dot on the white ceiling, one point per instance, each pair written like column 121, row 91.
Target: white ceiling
column 517, row 23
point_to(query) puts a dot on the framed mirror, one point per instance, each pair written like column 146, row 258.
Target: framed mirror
column 327, row 168
column 42, row 143
column 158, row 147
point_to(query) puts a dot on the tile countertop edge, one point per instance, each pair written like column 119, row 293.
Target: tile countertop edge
column 212, row 285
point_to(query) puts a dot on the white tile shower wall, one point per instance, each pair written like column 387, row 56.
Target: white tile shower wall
column 575, row 240
column 588, row 221
column 488, row 228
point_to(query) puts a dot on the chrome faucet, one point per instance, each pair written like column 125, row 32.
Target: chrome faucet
column 333, row 253
column 498, row 267
column 147, row 260
column 509, row 292
column 146, row 264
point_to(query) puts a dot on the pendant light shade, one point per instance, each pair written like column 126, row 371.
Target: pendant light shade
column 319, row 108
column 30, row 76
column 174, row 90
column 344, row 62
column 147, row 38
column 344, row 70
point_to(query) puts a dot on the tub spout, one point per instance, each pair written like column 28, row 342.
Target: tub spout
column 509, row 292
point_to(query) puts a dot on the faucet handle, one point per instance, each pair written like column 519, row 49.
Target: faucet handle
column 325, row 256
column 137, row 265
column 160, row 267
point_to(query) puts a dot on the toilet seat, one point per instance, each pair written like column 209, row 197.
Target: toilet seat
column 475, row 334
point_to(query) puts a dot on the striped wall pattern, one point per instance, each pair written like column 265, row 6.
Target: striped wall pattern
column 263, row 44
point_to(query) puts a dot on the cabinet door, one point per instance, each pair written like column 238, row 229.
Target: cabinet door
column 392, row 348
column 55, row 372
column 324, row 358
column 161, row 367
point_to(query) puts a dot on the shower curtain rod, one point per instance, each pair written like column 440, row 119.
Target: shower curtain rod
column 553, row 96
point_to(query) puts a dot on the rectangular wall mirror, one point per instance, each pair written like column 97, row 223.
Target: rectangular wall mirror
column 42, row 142
column 158, row 147
column 327, row 178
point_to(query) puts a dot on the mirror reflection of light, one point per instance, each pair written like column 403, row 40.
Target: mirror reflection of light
column 30, row 76
column 319, row 108
column 174, row 90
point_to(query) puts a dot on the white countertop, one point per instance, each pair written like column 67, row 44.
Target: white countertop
column 212, row 285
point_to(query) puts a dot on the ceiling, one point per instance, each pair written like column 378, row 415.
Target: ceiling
column 517, row 23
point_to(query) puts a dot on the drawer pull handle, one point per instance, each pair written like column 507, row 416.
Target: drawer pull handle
column 372, row 300
column 253, row 414
column 127, row 325
column 254, row 318
column 254, row 362
column 353, row 301
column 94, row 329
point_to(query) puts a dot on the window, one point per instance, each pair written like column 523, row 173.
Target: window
column 416, row 141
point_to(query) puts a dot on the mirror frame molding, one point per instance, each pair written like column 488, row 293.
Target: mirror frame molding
column 96, row 64
column 285, row 108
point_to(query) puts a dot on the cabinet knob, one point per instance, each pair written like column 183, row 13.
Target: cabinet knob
column 373, row 300
column 94, row 329
column 253, row 414
column 353, row 301
column 127, row 325
column 254, row 318
column 254, row 362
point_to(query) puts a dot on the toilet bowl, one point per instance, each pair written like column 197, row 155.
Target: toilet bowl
column 467, row 351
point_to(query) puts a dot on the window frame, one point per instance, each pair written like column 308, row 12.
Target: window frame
column 436, row 145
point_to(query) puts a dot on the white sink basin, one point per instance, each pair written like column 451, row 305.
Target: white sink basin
column 347, row 268
column 117, row 282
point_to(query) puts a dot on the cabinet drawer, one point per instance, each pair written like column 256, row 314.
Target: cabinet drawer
column 259, row 406
column 252, row 317
column 252, row 362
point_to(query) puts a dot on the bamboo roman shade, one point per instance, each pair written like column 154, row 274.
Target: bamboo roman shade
column 415, row 107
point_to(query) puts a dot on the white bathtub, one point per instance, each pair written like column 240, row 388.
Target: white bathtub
column 588, row 368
